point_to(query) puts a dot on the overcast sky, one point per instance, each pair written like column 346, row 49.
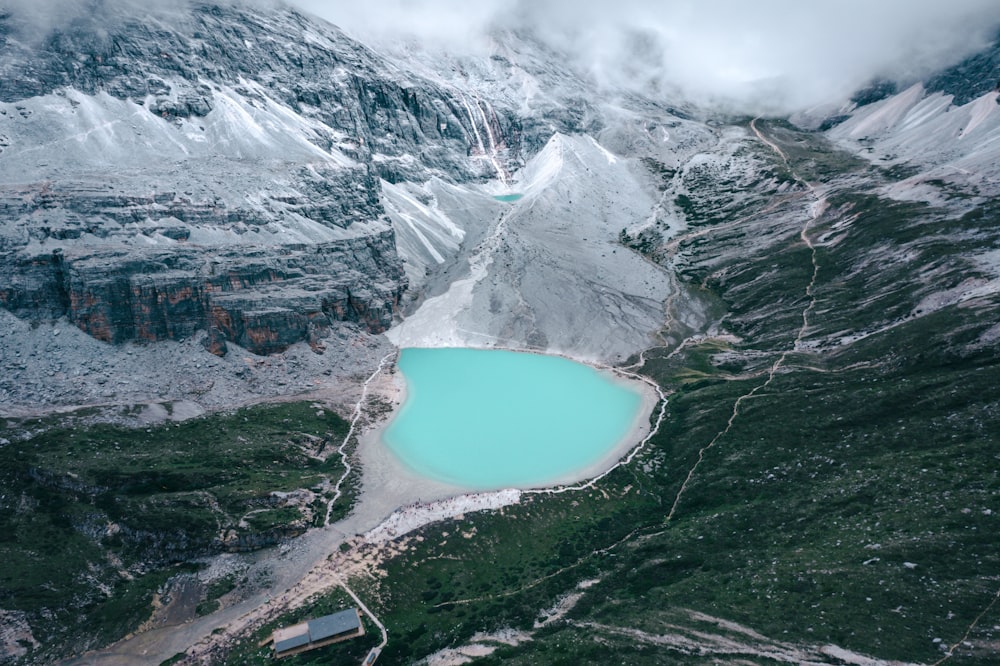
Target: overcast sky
column 789, row 54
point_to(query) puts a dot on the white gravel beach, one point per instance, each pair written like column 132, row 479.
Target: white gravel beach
column 393, row 502
column 387, row 482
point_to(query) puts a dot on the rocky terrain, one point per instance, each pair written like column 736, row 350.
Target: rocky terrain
column 216, row 206
column 208, row 178
column 251, row 179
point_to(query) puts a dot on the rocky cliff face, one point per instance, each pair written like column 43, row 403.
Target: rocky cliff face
column 973, row 77
column 174, row 64
column 215, row 168
column 124, row 267
column 263, row 300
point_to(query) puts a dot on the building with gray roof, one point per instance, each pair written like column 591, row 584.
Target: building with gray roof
column 317, row 633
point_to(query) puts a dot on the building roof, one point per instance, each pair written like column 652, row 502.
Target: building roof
column 331, row 625
column 290, row 641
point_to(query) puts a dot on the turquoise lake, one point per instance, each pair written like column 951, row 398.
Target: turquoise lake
column 487, row 419
column 508, row 198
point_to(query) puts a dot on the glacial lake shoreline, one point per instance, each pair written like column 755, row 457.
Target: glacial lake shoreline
column 385, row 469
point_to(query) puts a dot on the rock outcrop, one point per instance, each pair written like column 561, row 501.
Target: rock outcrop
column 215, row 168
column 123, row 267
column 173, row 62
column 263, row 300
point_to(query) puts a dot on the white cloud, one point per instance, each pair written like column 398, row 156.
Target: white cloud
column 782, row 54
column 774, row 55
column 461, row 25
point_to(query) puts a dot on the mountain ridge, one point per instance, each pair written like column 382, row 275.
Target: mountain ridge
column 819, row 308
column 186, row 103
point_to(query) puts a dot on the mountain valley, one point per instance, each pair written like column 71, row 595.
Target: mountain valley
column 221, row 221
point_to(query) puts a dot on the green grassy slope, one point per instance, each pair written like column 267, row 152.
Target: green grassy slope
column 854, row 500
column 95, row 518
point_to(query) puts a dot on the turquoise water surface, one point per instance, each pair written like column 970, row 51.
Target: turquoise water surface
column 485, row 419
column 508, row 198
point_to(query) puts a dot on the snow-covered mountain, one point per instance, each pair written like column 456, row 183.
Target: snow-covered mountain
column 253, row 177
column 214, row 169
column 216, row 204
column 245, row 176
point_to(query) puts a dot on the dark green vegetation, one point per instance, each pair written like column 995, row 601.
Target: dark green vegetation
column 854, row 500
column 214, row 591
column 94, row 519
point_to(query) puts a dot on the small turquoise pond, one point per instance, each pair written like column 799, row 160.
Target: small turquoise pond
column 508, row 198
column 485, row 419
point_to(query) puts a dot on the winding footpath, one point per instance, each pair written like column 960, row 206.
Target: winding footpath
column 816, row 210
column 375, row 651
column 370, row 548
column 358, row 409
column 631, row 455
column 951, row 649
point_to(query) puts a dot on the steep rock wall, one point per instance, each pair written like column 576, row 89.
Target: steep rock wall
column 214, row 168
column 264, row 303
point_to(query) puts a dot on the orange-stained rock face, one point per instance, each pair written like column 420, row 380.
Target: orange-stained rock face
column 183, row 294
column 262, row 336
column 215, row 343
column 222, row 320
column 97, row 326
column 262, row 303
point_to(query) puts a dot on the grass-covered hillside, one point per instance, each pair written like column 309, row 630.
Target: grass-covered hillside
column 94, row 519
column 827, row 480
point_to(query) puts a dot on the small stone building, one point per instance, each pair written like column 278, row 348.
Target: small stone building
column 317, row 633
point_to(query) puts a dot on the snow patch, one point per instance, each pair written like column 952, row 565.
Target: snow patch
column 409, row 518
column 884, row 114
column 853, row 658
column 15, row 635
column 544, row 168
column 980, row 111
column 607, row 153
column 956, row 144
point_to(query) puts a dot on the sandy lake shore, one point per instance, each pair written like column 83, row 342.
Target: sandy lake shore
column 397, row 485
column 392, row 502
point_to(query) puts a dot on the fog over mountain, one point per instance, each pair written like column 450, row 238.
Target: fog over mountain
column 224, row 225
column 775, row 55
column 770, row 56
